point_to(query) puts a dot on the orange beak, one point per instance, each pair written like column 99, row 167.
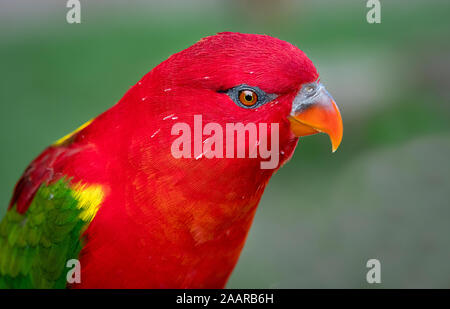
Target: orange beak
column 314, row 111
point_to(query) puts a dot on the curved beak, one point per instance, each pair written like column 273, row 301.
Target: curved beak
column 316, row 112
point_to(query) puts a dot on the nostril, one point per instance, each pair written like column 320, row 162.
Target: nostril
column 309, row 89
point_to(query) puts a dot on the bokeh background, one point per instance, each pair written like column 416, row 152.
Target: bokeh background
column 384, row 194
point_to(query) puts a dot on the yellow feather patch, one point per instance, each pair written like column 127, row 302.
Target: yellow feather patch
column 67, row 137
column 89, row 199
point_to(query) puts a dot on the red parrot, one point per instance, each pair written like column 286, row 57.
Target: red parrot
column 113, row 196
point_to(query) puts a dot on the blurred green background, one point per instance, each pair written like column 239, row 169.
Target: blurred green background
column 384, row 194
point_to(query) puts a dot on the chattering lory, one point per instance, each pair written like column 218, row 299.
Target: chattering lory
column 132, row 199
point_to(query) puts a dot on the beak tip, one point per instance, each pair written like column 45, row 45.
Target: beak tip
column 333, row 149
column 335, row 143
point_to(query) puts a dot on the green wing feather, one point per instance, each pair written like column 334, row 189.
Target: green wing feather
column 35, row 246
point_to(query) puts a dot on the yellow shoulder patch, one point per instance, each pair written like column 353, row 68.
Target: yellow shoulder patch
column 63, row 140
column 89, row 197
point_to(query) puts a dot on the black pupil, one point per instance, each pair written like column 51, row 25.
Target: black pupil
column 249, row 96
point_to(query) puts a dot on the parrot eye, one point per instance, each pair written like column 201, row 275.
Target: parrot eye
column 249, row 97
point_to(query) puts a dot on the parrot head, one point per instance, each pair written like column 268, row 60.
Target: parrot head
column 246, row 78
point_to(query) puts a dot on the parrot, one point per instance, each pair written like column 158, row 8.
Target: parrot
column 110, row 206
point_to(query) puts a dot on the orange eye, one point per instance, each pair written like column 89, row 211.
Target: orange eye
column 248, row 97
